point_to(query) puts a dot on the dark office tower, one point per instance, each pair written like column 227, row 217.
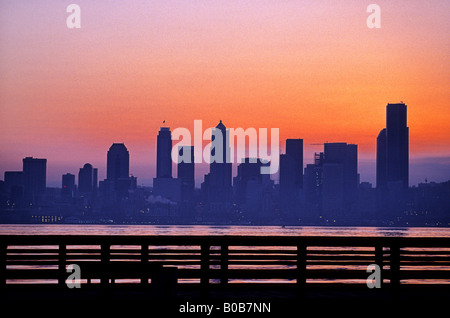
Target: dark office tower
column 86, row 179
column 220, row 168
column 313, row 180
column 164, row 153
column 186, row 172
column 34, row 177
column 221, row 146
column 397, row 144
column 253, row 191
column 248, row 173
column 13, row 179
column 381, row 160
column 294, row 149
column 94, row 181
column 118, row 162
column 287, row 175
column 14, row 184
column 288, row 195
column 345, row 155
column 68, row 186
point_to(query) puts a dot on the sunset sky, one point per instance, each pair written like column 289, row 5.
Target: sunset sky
column 313, row 69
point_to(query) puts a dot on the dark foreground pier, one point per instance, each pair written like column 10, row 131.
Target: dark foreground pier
column 223, row 267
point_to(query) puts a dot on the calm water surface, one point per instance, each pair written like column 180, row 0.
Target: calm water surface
column 91, row 229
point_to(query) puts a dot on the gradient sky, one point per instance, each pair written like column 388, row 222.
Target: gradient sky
column 311, row 68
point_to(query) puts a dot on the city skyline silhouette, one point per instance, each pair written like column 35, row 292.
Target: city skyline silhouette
column 421, row 167
column 328, row 189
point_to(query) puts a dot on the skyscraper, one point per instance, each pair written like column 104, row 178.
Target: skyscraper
column 13, row 179
column 253, row 190
column 287, row 176
column 118, row 162
column 294, row 149
column 14, row 184
column 34, row 177
column 186, row 172
column 313, row 180
column 345, row 155
column 397, row 144
column 381, row 159
column 68, row 186
column 291, row 176
column 247, row 171
column 87, row 179
column 164, row 185
column 393, row 148
column 217, row 188
column 164, row 153
column 221, row 167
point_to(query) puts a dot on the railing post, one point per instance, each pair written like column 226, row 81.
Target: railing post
column 224, row 265
column 144, row 267
column 204, row 269
column 379, row 260
column 3, row 251
column 104, row 260
column 62, row 265
column 301, row 266
column 395, row 265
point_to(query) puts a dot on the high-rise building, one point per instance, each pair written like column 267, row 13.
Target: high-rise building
column 13, row 179
column 164, row 185
column 333, row 204
column 164, row 153
column 291, row 177
column 220, row 168
column 87, row 179
column 14, row 184
column 345, row 155
column 294, row 149
column 253, row 190
column 34, row 177
column 287, row 175
column 397, row 144
column 118, row 180
column 186, row 172
column 118, row 162
column 313, row 180
column 68, row 186
column 393, row 148
column 381, row 160
column 246, row 171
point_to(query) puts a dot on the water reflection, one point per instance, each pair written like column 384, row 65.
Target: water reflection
column 90, row 229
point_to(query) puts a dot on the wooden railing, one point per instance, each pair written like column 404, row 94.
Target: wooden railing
column 206, row 261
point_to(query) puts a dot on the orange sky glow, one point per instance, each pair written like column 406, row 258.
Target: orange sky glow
column 313, row 69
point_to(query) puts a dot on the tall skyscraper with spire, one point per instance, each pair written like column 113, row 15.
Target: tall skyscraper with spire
column 164, row 153
column 164, row 185
column 218, row 182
